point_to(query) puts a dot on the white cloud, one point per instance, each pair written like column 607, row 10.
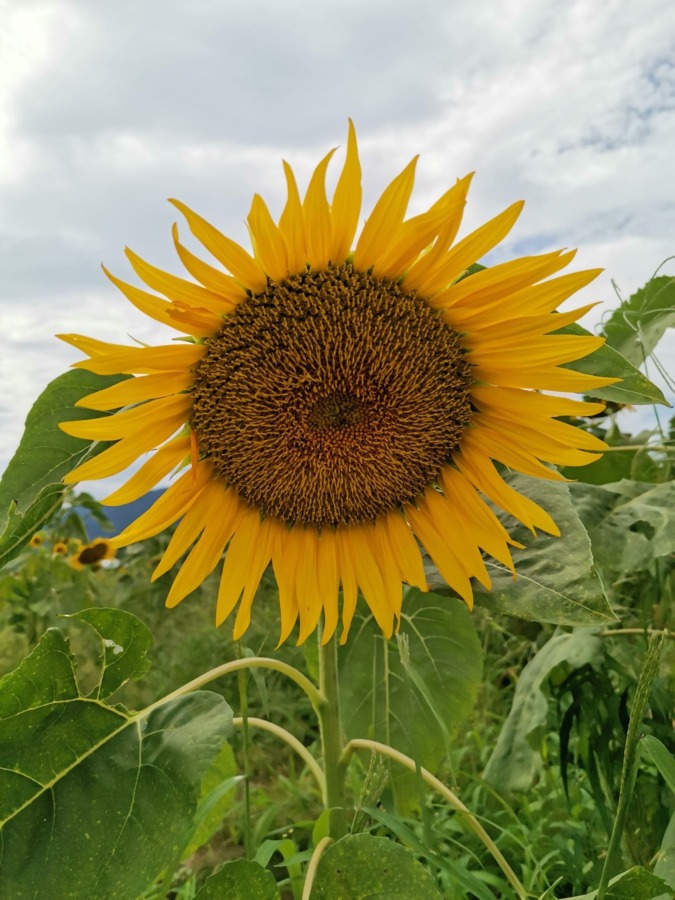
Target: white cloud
column 107, row 109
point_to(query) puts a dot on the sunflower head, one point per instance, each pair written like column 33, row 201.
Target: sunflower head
column 36, row 541
column 60, row 548
column 341, row 400
column 93, row 554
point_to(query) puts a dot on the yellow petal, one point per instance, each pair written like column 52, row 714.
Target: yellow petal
column 328, row 581
column 369, row 576
column 468, row 251
column 454, row 527
column 292, row 227
column 268, row 242
column 163, row 461
column 154, row 307
column 147, row 415
column 307, row 589
column 384, row 222
column 144, row 360
column 285, row 563
column 406, row 551
column 346, row 206
column 238, row 562
column 501, row 335
column 531, row 403
column 213, row 279
column 173, row 503
column 316, row 217
column 349, row 584
column 439, row 550
column 417, row 234
column 220, row 510
column 429, row 261
column 175, row 288
column 235, row 259
column 186, row 532
column 137, row 390
column 122, row 454
column 486, row 528
column 260, row 561
column 536, row 352
column 479, row 470
column 91, row 346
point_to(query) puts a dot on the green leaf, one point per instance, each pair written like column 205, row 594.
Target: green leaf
column 29, row 494
column 631, row 525
column 636, row 327
column 125, row 642
column 362, row 867
column 20, row 527
column 95, row 801
column 517, row 756
column 416, row 697
column 556, row 577
column 661, row 757
column 241, row 879
column 215, row 798
column 634, row 388
column 665, row 859
column 635, row 884
column 636, row 464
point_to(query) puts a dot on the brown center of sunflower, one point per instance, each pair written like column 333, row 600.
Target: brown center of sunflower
column 331, row 398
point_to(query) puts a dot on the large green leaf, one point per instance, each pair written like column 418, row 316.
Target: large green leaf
column 362, row 867
column 125, row 642
column 634, row 387
column 640, row 464
column 631, row 525
column 95, row 801
column 241, row 879
column 636, row 327
column 665, row 860
column 413, row 691
column 30, row 488
column 20, row 527
column 556, row 577
column 516, row 758
column 635, row 884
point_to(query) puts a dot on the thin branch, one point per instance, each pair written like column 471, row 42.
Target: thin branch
column 250, row 662
column 291, row 740
column 643, row 631
column 453, row 800
column 319, row 850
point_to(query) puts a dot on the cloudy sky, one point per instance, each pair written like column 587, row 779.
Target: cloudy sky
column 108, row 108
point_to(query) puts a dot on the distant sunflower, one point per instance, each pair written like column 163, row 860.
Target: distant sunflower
column 60, row 548
column 36, row 541
column 92, row 554
column 339, row 405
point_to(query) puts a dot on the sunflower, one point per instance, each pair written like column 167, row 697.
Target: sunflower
column 331, row 409
column 93, row 554
column 36, row 541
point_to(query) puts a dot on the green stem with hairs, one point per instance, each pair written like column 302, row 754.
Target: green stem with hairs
column 631, row 755
column 331, row 738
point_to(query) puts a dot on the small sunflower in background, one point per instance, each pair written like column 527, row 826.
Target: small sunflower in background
column 92, row 554
column 341, row 400
column 36, row 541
column 60, row 548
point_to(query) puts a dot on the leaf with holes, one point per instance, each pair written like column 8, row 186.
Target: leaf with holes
column 95, row 801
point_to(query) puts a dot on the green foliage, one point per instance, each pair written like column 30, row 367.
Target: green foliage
column 517, row 758
column 634, row 387
column 556, row 579
column 413, row 693
column 361, row 866
column 653, row 749
column 118, row 790
column 638, row 324
column 635, row 884
column 241, row 879
column 30, row 488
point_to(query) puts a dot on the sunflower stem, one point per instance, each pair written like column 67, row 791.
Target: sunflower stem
column 331, row 738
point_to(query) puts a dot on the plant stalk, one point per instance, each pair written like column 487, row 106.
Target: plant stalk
column 631, row 755
column 328, row 710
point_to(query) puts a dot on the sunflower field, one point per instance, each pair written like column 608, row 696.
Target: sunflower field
column 417, row 560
